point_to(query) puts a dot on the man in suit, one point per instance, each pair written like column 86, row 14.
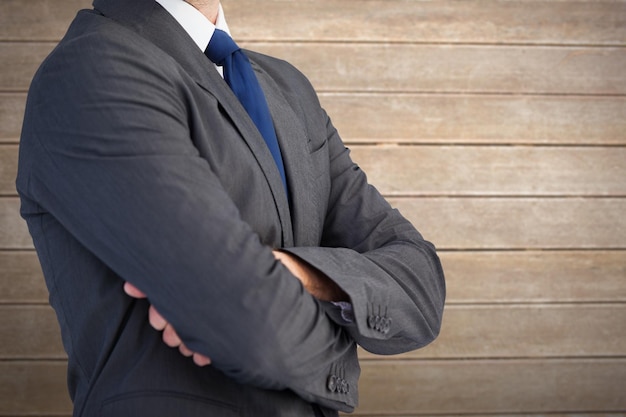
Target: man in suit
column 139, row 165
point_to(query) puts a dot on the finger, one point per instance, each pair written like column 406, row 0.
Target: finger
column 184, row 350
column 170, row 337
column 156, row 320
column 133, row 291
column 201, row 360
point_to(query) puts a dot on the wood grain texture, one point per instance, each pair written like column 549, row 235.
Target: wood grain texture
column 494, row 170
column 21, row 279
column 33, row 331
column 469, row 331
column 37, row 20
column 497, row 127
column 495, row 277
column 460, row 118
column 34, row 388
column 466, row 223
column 501, row 277
column 498, row 387
column 474, row 21
column 420, row 387
column 527, row 331
column 19, row 63
column 14, row 231
column 464, row 170
column 11, row 116
column 518, row 223
column 410, row 68
column 8, row 169
column 435, row 118
column 345, row 67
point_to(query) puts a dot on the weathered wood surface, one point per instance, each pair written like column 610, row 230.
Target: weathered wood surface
column 494, row 170
column 510, row 118
column 422, row 387
column 467, row 223
column 518, row 223
column 455, row 68
column 30, row 388
column 476, row 21
column 469, row 331
column 486, row 386
column 441, row 118
column 14, row 231
column 473, row 21
column 465, row 170
column 41, row 20
column 500, row 277
column 483, row 277
column 11, row 115
column 410, row 68
column 21, row 279
column 463, row 118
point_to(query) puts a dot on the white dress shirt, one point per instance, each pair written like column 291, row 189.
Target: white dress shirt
column 197, row 25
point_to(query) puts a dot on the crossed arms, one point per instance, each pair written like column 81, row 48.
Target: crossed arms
column 315, row 282
column 116, row 166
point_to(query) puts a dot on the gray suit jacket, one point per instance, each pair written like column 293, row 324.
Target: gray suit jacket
column 137, row 163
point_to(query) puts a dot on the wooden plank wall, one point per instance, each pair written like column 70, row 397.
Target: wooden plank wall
column 498, row 127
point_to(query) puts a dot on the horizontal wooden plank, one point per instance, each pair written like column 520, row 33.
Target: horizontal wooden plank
column 465, row 170
column 469, row 331
column 476, row 21
column 14, row 230
column 419, row 387
column 455, row 68
column 11, row 116
column 498, row 387
column 466, row 223
column 419, row 118
column 8, row 169
column 527, row 331
column 416, row 118
column 37, row 19
column 21, row 279
column 535, row 276
column 34, row 388
column 471, row 277
column 30, row 332
column 494, row 170
column 416, row 68
column 20, row 62
column 518, row 223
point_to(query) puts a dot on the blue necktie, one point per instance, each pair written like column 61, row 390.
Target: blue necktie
column 239, row 75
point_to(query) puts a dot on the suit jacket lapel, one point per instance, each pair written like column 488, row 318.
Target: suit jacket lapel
column 294, row 145
column 154, row 23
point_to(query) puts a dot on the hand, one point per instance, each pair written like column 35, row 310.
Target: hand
column 170, row 337
column 314, row 281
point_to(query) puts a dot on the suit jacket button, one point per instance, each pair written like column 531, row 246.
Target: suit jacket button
column 331, row 384
column 344, row 386
column 387, row 325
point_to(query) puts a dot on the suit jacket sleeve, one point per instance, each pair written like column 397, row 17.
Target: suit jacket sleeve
column 106, row 151
column 392, row 275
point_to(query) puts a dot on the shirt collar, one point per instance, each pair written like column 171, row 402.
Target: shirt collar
column 194, row 22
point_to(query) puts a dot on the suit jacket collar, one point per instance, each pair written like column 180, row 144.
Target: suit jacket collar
column 153, row 22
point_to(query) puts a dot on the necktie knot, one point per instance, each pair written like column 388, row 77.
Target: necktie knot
column 220, row 47
column 240, row 77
